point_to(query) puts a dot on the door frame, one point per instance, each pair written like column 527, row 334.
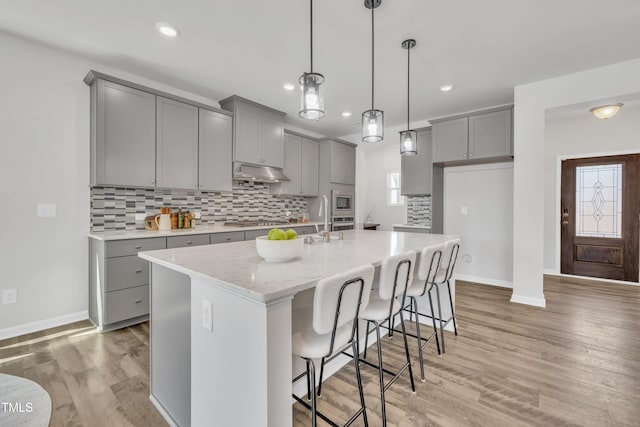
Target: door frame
column 558, row 207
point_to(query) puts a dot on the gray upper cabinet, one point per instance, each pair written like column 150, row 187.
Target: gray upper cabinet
column 451, row 140
column 215, row 145
column 176, row 145
column 343, row 163
column 300, row 166
column 490, row 135
column 123, row 135
column 309, row 167
column 258, row 132
column 482, row 136
column 417, row 170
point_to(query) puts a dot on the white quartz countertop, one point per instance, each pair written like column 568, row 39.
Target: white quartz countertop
column 421, row 226
column 238, row 268
column 201, row 229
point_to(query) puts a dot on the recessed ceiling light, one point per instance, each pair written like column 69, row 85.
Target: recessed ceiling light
column 346, row 114
column 167, row 30
column 606, row 111
column 446, row 88
column 288, row 86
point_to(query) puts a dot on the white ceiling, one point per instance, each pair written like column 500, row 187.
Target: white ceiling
column 251, row 48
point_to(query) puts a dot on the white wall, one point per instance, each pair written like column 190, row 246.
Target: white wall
column 44, row 140
column 580, row 136
column 372, row 165
column 486, row 230
column 531, row 102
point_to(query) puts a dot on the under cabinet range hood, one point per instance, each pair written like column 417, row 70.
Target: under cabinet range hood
column 258, row 173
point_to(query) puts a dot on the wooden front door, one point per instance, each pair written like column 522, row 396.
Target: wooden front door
column 600, row 208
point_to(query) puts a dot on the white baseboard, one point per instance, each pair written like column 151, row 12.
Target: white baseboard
column 40, row 325
column 484, row 281
column 521, row 299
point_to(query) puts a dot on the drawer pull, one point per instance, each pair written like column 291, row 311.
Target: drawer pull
column 189, row 242
column 138, row 301
column 138, row 247
column 228, row 238
column 138, row 271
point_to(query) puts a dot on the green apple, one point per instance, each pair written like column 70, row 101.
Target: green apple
column 271, row 234
column 276, row 234
column 291, row 234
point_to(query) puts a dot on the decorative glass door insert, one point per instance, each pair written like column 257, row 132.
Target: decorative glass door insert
column 599, row 201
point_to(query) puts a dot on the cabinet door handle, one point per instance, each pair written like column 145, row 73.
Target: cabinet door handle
column 138, row 271
column 138, row 247
column 470, row 154
column 228, row 238
column 153, row 181
column 138, row 301
column 189, row 242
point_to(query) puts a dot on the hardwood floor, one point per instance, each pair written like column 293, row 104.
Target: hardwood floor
column 576, row 362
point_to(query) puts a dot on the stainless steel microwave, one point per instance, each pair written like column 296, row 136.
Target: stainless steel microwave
column 342, row 203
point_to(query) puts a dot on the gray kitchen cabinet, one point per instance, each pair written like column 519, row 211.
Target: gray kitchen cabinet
column 481, row 136
column 258, row 132
column 490, row 135
column 123, row 135
column 416, row 171
column 119, row 281
column 451, row 140
column 215, row 145
column 227, row 237
column 304, row 230
column 343, row 163
column 176, row 145
column 252, row 234
column 188, row 240
column 300, row 166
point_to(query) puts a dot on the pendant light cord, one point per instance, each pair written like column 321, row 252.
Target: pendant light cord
column 372, row 57
column 311, row 34
column 408, row 81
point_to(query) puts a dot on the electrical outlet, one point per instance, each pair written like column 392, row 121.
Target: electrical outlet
column 140, row 216
column 9, row 296
column 207, row 315
column 464, row 210
column 46, row 210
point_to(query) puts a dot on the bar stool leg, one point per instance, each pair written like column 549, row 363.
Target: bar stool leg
column 308, row 382
column 312, row 372
column 440, row 318
column 366, row 341
column 414, row 303
column 321, row 373
column 381, row 373
column 433, row 319
column 406, row 349
column 453, row 313
column 356, row 361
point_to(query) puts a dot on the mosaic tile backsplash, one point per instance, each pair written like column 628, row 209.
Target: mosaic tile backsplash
column 419, row 210
column 114, row 208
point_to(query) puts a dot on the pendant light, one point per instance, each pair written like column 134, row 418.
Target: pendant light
column 372, row 120
column 312, row 91
column 408, row 138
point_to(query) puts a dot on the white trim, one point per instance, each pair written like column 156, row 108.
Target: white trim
column 484, row 281
column 40, row 325
column 521, row 299
column 163, row 413
column 596, row 279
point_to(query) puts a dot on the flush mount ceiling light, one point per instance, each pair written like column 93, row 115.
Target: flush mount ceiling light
column 167, row 30
column 606, row 111
column 446, row 88
column 288, row 86
column 408, row 138
column 312, row 91
column 372, row 120
column 346, row 114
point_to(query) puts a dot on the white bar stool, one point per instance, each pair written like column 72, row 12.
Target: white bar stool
column 444, row 275
column 337, row 303
column 428, row 267
column 396, row 275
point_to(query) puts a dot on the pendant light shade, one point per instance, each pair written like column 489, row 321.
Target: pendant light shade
column 408, row 138
column 372, row 120
column 311, row 88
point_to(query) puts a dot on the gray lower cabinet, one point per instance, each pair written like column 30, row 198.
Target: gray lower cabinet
column 176, row 145
column 123, row 135
column 416, row 171
column 119, row 281
column 215, row 156
column 307, row 229
column 411, row 229
column 252, row 234
column 231, row 236
column 451, row 140
column 189, row 240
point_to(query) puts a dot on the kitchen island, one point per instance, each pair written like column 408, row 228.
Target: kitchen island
column 221, row 317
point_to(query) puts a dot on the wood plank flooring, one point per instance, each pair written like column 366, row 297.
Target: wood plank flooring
column 574, row 363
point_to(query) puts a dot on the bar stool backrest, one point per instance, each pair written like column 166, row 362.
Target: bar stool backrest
column 429, row 263
column 396, row 275
column 339, row 299
column 449, row 257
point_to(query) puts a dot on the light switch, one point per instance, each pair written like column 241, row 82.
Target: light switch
column 46, row 210
column 207, row 315
column 9, row 296
column 464, row 210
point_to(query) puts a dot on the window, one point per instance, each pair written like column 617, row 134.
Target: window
column 393, row 189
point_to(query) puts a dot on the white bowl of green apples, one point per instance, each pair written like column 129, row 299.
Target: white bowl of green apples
column 279, row 245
